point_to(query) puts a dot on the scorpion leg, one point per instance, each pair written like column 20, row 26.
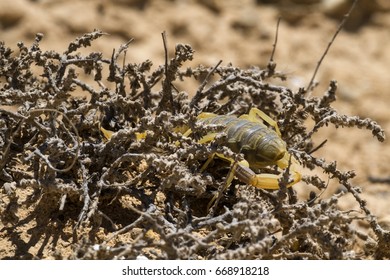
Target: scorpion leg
column 107, row 133
column 207, row 138
column 254, row 115
column 229, row 178
column 206, row 164
column 205, row 115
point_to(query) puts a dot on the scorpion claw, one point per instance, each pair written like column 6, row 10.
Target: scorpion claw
column 263, row 181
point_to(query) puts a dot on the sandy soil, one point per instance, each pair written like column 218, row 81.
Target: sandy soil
column 240, row 32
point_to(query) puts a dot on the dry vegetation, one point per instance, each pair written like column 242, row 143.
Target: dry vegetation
column 126, row 198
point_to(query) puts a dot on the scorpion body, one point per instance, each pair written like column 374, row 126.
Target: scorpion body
column 260, row 144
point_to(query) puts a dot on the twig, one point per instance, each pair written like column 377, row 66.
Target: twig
column 76, row 145
column 167, row 96
column 6, row 151
column 87, row 198
column 385, row 180
column 318, row 147
column 271, row 64
column 346, row 16
column 199, row 93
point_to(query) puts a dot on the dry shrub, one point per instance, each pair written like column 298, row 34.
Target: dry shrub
column 148, row 194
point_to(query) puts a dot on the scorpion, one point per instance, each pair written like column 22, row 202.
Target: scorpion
column 248, row 134
column 260, row 144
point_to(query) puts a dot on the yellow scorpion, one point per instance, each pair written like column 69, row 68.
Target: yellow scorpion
column 261, row 146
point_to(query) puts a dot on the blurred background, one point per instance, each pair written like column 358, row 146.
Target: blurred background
column 242, row 33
